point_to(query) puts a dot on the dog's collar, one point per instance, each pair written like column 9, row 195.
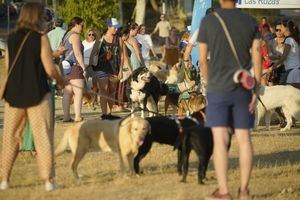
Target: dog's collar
column 198, row 122
column 180, row 128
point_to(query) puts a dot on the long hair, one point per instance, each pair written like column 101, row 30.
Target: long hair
column 292, row 28
column 74, row 21
column 31, row 17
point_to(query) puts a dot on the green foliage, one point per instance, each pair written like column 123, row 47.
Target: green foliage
column 93, row 12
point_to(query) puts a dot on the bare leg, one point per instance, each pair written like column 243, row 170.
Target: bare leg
column 68, row 93
column 14, row 124
column 78, row 93
column 220, row 157
column 246, row 156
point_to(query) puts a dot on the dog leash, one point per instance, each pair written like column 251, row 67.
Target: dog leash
column 259, row 99
column 116, row 101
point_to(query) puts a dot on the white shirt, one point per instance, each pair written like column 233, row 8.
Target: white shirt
column 88, row 47
column 292, row 61
column 146, row 42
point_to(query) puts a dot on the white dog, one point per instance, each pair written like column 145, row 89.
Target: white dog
column 286, row 97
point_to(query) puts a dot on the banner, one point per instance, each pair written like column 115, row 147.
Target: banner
column 268, row 4
column 199, row 10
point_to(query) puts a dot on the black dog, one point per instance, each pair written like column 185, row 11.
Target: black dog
column 164, row 130
column 199, row 139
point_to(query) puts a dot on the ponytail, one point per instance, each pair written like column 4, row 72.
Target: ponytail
column 74, row 21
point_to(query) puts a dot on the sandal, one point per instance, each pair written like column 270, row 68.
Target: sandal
column 216, row 195
column 68, row 121
column 244, row 195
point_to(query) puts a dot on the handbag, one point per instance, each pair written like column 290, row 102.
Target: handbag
column 5, row 80
column 66, row 64
column 241, row 76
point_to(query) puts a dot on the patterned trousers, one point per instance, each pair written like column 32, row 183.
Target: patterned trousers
column 41, row 122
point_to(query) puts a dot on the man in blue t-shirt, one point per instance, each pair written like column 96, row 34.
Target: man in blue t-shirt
column 228, row 103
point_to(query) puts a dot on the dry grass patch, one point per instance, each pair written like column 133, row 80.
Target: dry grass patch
column 276, row 171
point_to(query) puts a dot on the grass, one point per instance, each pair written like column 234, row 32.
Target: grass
column 276, row 171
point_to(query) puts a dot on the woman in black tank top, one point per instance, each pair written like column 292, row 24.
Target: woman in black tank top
column 27, row 93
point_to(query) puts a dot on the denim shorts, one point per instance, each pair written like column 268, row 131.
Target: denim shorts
column 229, row 109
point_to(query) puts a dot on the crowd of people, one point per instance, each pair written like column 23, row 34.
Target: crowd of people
column 280, row 53
column 108, row 59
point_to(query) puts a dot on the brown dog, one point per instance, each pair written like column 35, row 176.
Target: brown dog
column 195, row 102
column 122, row 136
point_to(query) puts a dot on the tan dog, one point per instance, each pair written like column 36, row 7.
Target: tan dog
column 165, row 76
column 195, row 103
column 122, row 136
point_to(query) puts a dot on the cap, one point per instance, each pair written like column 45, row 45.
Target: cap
column 113, row 22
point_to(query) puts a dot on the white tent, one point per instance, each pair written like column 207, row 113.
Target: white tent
column 268, row 4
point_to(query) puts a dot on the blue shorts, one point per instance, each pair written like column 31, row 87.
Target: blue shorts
column 229, row 109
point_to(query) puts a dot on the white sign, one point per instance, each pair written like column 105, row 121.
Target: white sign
column 269, row 4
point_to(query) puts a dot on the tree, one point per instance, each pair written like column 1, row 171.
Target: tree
column 140, row 11
column 93, row 12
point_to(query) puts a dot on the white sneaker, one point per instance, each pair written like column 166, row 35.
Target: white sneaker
column 50, row 186
column 4, row 185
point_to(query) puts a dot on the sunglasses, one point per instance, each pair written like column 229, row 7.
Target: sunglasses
column 91, row 34
column 278, row 30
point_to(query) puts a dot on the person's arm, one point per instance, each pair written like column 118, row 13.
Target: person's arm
column 271, row 51
column 137, row 50
column 284, row 56
column 155, row 30
column 125, row 55
column 76, row 44
column 257, row 62
column 150, row 43
column 167, row 42
column 186, row 55
column 47, row 61
column 59, row 52
column 203, row 48
column 6, row 60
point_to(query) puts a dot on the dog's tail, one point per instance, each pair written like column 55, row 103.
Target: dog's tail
column 60, row 149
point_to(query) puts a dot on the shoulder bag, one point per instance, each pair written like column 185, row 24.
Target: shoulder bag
column 241, row 76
